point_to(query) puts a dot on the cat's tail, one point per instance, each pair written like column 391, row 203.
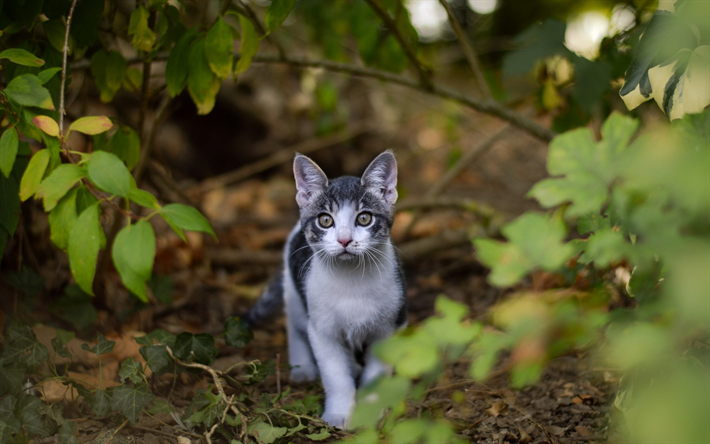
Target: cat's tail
column 269, row 304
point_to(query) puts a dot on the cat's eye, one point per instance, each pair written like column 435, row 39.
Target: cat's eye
column 364, row 218
column 325, row 221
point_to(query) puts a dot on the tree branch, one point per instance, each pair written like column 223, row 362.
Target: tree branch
column 424, row 76
column 65, row 53
column 482, row 105
column 468, row 50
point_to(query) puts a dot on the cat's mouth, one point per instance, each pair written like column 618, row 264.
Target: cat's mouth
column 346, row 255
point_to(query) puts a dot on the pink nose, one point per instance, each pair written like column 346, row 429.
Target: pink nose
column 344, row 242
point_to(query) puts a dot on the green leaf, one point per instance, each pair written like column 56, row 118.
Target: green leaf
column 385, row 393
column 91, row 125
column 187, row 218
column 100, row 402
column 102, row 346
column 126, row 144
column 21, row 57
column 67, row 432
column 59, row 343
column 62, row 218
column 143, row 36
column 176, row 229
column 12, row 375
column 589, row 168
column 535, row 242
column 131, row 401
column 237, row 332
column 592, row 80
column 266, row 433
column 605, row 247
column 47, row 75
column 30, row 417
column 23, row 347
column 109, row 174
column 248, row 46
column 84, row 243
column 162, row 287
column 58, row 183
column 9, row 143
column 200, row 347
column 143, row 198
column 158, row 336
column 160, row 406
column 176, row 69
column 131, row 369
column 109, row 70
column 678, row 85
column 133, row 254
column 536, row 43
column 157, row 357
column 202, row 84
column 412, row 354
column 27, row 90
column 409, row 431
column 33, row 174
column 219, row 49
column 592, row 223
column 277, row 12
column 320, row 436
column 47, row 124
column 56, row 33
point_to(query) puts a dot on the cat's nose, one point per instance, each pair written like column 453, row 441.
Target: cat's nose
column 345, row 236
column 344, row 242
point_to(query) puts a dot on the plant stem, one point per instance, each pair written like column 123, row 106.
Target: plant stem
column 65, row 53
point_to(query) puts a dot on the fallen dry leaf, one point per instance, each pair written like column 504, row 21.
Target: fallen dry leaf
column 53, row 391
column 91, row 382
column 582, row 431
column 577, row 400
column 496, row 408
column 45, row 334
column 554, row 430
column 524, row 437
column 183, row 440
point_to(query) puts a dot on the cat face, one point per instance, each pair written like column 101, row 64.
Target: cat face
column 347, row 218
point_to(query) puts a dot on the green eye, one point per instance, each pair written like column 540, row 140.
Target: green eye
column 364, row 218
column 325, row 221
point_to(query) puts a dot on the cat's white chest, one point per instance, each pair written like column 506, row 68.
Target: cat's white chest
column 352, row 305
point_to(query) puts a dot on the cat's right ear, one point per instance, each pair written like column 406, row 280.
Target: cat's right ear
column 310, row 179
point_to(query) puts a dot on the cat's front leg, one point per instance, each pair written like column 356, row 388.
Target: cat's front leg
column 334, row 365
column 300, row 356
column 374, row 368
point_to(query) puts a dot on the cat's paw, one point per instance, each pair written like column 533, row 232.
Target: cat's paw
column 304, row 373
column 338, row 420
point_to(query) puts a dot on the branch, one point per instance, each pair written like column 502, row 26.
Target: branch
column 279, row 157
column 468, row 50
column 424, row 78
column 65, row 52
column 482, row 105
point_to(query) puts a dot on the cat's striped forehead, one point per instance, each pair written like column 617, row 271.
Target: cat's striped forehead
column 345, row 192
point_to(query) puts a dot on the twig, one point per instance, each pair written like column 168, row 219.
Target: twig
column 118, row 429
column 145, row 96
column 278, row 374
column 482, row 105
column 424, row 76
column 65, row 52
column 161, row 116
column 468, row 50
column 160, row 432
column 282, row 156
column 251, row 15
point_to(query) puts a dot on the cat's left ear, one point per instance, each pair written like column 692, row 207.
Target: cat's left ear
column 381, row 177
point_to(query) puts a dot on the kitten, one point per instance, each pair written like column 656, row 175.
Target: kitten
column 342, row 282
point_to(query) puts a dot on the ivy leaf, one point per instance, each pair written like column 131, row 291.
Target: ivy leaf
column 131, row 369
column 12, row 376
column 158, row 336
column 33, row 174
column 188, row 218
column 9, row 143
column 27, row 90
column 100, row 402
column 102, row 346
column 157, row 357
column 23, row 347
column 133, row 254
column 21, row 57
column 84, row 243
column 219, row 49
column 143, row 36
column 248, row 46
column 47, row 124
column 202, row 84
column 131, row 401
column 200, row 347
column 58, row 183
column 67, row 431
column 109, row 174
column 176, row 69
column 320, row 436
column 30, row 417
column 62, row 218
column 277, row 12
column 237, row 332
column 59, row 342
column 91, row 125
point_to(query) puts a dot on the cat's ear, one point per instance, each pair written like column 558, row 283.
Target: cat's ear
column 310, row 179
column 381, row 177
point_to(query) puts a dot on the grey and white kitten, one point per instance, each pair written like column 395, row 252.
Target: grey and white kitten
column 342, row 282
